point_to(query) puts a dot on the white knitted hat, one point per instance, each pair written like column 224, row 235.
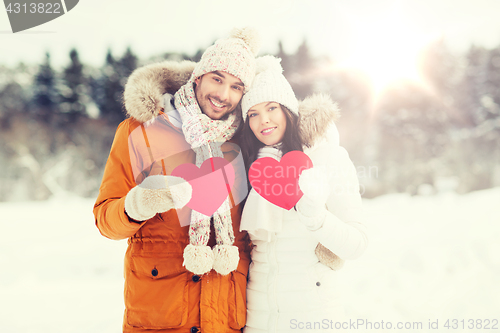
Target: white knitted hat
column 269, row 85
column 234, row 55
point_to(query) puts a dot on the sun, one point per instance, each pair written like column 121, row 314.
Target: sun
column 387, row 48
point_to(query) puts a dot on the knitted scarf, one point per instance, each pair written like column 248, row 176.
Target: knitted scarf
column 206, row 136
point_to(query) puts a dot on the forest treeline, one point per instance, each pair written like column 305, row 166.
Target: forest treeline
column 57, row 126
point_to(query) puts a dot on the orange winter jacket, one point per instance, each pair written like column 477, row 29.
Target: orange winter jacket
column 160, row 294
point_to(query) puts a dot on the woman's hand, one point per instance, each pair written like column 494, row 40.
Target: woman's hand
column 315, row 184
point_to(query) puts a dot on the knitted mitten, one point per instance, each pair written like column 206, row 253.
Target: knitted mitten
column 312, row 206
column 156, row 194
column 315, row 186
column 328, row 258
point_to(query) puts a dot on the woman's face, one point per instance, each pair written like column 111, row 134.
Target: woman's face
column 268, row 122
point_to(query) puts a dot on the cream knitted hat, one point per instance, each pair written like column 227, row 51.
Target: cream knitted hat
column 269, row 85
column 234, row 55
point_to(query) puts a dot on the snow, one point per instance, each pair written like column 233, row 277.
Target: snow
column 430, row 257
column 58, row 274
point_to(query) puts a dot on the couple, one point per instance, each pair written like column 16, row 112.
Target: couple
column 192, row 277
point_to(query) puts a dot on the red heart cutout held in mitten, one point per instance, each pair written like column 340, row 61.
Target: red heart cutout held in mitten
column 211, row 183
column 278, row 182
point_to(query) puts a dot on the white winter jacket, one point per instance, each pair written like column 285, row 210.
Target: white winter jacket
column 289, row 290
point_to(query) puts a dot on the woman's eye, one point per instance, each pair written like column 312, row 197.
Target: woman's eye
column 251, row 115
column 272, row 108
column 217, row 79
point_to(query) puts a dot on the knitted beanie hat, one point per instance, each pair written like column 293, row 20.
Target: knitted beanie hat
column 234, row 55
column 269, row 85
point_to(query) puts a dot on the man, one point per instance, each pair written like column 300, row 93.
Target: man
column 178, row 276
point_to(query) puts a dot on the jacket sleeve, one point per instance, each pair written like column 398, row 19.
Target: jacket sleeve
column 342, row 231
column 118, row 180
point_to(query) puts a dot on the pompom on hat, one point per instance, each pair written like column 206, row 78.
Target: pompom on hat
column 234, row 55
column 269, row 86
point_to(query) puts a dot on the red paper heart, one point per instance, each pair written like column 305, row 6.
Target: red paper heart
column 211, row 183
column 278, row 182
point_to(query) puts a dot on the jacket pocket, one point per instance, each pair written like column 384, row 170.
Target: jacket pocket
column 237, row 300
column 327, row 289
column 156, row 293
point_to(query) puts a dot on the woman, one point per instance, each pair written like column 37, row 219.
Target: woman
column 297, row 252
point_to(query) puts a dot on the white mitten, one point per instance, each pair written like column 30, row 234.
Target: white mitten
column 157, row 194
column 315, row 185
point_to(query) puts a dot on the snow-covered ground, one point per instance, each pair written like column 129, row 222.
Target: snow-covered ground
column 430, row 258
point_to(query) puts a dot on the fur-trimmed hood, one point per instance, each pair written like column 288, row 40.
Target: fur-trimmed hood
column 143, row 95
column 316, row 115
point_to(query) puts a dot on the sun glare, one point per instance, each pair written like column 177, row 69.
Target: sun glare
column 387, row 49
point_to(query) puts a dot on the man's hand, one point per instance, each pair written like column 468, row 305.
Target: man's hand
column 157, row 194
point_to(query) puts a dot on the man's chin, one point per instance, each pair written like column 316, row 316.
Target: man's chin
column 217, row 115
column 214, row 115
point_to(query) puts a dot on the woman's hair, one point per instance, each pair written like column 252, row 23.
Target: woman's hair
column 250, row 145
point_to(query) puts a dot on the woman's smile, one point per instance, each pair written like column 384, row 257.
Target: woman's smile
column 268, row 131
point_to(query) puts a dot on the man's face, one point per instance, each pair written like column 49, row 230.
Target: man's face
column 218, row 93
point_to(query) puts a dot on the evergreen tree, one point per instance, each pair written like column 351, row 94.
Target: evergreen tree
column 12, row 102
column 285, row 60
column 108, row 88
column 126, row 65
column 492, row 102
column 108, row 91
column 472, row 87
column 75, row 90
column 302, row 81
column 303, row 59
column 45, row 100
column 197, row 56
column 443, row 74
column 476, row 154
column 487, row 131
column 13, row 95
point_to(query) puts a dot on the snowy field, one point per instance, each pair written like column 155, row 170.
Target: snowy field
column 430, row 258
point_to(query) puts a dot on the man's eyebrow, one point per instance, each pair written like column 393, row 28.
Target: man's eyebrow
column 222, row 76
column 219, row 74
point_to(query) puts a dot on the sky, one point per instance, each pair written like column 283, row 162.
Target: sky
column 348, row 31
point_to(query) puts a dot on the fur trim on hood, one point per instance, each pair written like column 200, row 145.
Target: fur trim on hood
column 143, row 95
column 316, row 113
